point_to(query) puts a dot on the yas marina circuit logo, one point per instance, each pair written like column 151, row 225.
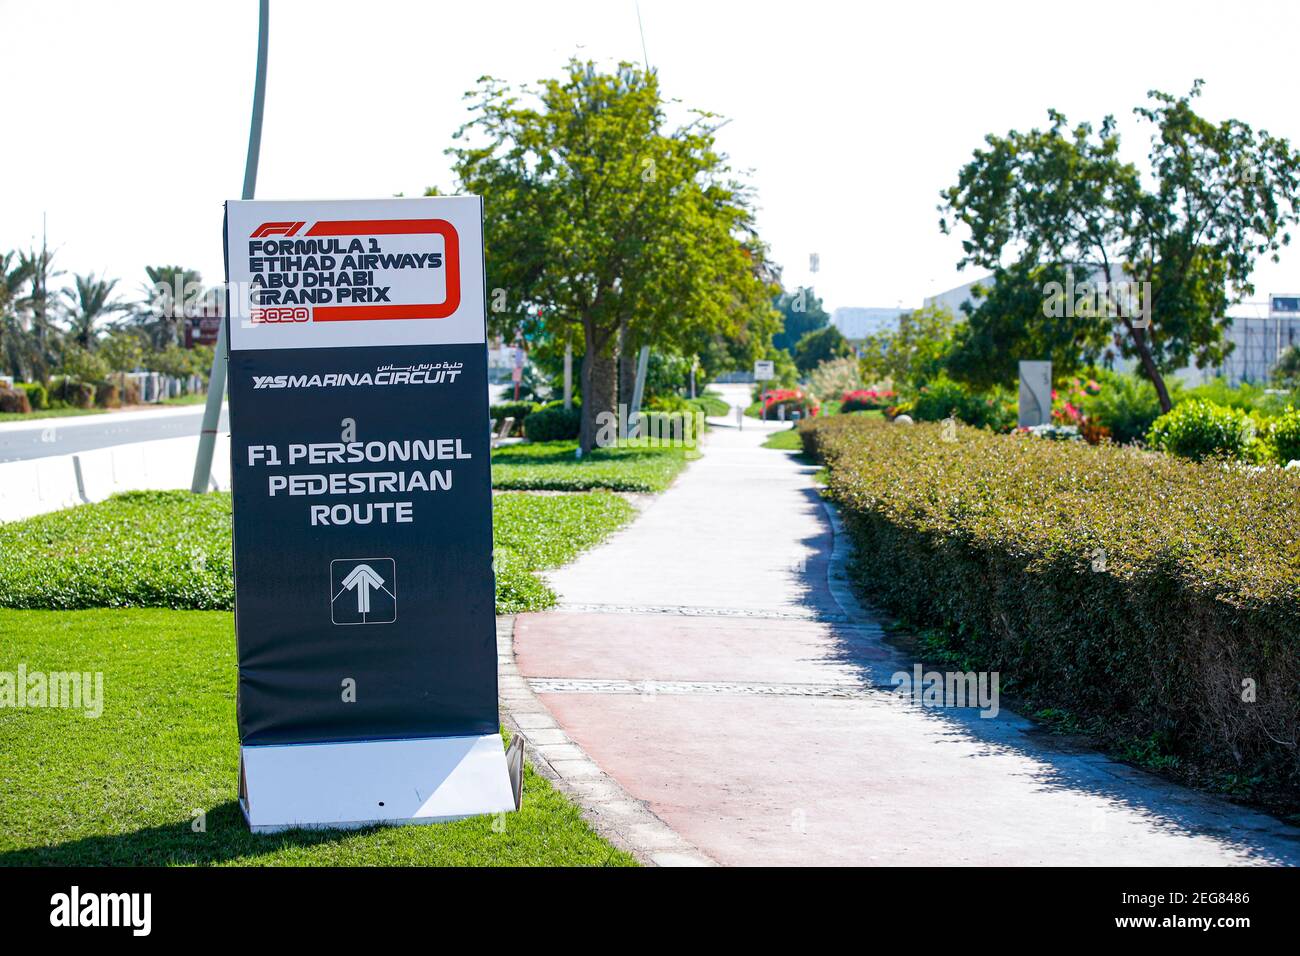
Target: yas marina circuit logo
column 425, row 373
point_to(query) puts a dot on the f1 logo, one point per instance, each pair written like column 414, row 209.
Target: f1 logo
column 276, row 229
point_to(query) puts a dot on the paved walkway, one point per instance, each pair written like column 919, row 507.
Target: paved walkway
column 709, row 666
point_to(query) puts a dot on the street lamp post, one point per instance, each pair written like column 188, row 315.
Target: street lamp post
column 217, row 377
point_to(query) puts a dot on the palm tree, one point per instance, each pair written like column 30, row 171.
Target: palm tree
column 169, row 290
column 89, row 301
column 14, row 339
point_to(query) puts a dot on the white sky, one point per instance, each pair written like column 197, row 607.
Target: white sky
column 127, row 122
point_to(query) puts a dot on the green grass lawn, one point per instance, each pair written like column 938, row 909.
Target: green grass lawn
column 551, row 466
column 787, row 439
column 123, row 788
column 49, row 413
column 172, row 549
column 194, row 398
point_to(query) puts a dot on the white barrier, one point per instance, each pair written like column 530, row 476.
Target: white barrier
column 61, row 481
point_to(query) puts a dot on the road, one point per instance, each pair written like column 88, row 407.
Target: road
column 44, row 437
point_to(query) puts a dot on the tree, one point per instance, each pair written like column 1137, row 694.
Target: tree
column 1287, row 370
column 89, row 301
column 38, row 264
column 1223, row 195
column 1007, row 325
column 606, row 219
column 801, row 313
column 820, row 346
column 170, row 293
column 15, row 342
column 912, row 354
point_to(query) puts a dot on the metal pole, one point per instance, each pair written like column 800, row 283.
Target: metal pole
column 217, row 377
column 637, row 391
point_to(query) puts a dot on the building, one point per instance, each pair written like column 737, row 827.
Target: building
column 954, row 299
column 1258, row 331
column 856, row 323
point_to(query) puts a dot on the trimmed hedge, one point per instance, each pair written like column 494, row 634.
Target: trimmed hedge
column 516, row 410
column 1134, row 590
column 1200, row 430
column 36, row 395
column 14, row 400
column 554, row 423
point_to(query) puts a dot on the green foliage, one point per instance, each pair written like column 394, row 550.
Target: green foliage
column 943, row 397
column 1126, row 404
column 68, row 391
column 712, row 404
column 89, row 301
column 832, row 379
column 172, row 549
column 1199, row 429
column 820, row 346
column 118, row 790
column 519, row 411
column 1287, row 370
column 1222, row 195
column 36, row 395
column 1284, row 436
column 1134, row 588
column 83, row 365
column 123, row 351
column 1008, row 325
column 912, row 354
column 584, row 177
column 801, row 313
column 554, row 466
column 553, row 423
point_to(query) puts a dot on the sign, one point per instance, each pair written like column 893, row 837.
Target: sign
column 1283, row 306
column 1035, row 394
column 764, row 369
column 202, row 329
column 364, row 592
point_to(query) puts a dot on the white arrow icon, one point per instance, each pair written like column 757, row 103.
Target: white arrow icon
column 361, row 579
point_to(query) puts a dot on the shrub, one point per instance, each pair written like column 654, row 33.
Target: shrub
column 668, row 403
column 1135, row 590
column 867, row 399
column 1199, row 430
column 554, row 423
column 832, row 379
column 1126, row 405
column 516, row 410
column 85, row 366
column 106, row 395
column 14, row 400
column 37, row 396
column 942, row 397
column 1285, row 436
column 791, row 399
column 70, row 392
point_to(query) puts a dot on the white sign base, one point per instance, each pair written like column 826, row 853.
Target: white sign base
column 347, row 785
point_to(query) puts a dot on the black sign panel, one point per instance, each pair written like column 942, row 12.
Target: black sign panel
column 364, row 556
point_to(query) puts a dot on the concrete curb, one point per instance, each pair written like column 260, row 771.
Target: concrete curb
column 38, row 485
column 612, row 811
